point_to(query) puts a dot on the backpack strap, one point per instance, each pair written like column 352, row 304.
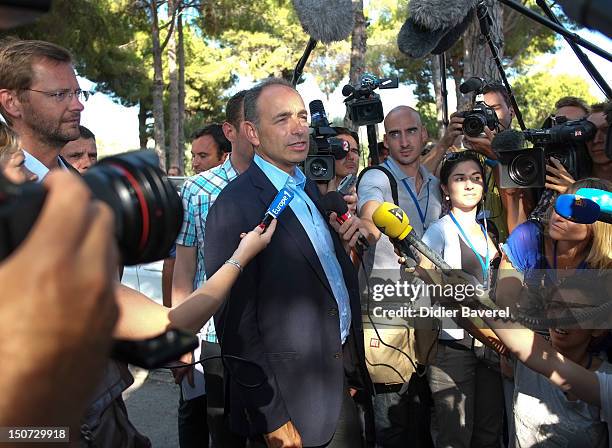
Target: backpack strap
column 392, row 181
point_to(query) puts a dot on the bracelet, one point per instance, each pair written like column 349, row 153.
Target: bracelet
column 234, row 262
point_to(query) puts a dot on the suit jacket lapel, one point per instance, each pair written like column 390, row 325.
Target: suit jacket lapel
column 290, row 223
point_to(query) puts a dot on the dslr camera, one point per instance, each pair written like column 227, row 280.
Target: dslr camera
column 563, row 140
column 364, row 107
column 480, row 115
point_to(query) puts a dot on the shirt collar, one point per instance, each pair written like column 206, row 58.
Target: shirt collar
column 278, row 177
column 397, row 171
column 37, row 167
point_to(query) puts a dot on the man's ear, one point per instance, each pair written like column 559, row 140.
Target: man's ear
column 11, row 103
column 385, row 141
column 424, row 135
column 251, row 133
column 229, row 131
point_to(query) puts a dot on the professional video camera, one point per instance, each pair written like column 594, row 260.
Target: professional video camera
column 480, row 115
column 325, row 148
column 563, row 140
column 148, row 212
column 363, row 105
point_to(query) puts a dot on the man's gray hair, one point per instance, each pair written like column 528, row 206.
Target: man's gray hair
column 252, row 96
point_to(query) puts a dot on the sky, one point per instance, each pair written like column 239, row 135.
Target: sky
column 116, row 127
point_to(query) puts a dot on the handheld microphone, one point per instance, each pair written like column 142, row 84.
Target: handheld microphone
column 279, row 203
column 326, row 21
column 393, row 222
column 602, row 198
column 577, row 209
column 333, row 202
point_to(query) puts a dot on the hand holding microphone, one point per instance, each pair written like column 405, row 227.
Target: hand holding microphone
column 278, row 204
column 348, row 226
column 393, row 222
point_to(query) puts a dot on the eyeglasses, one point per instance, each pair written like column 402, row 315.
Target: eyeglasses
column 461, row 155
column 62, row 95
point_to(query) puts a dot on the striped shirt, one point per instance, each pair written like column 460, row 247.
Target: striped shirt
column 199, row 193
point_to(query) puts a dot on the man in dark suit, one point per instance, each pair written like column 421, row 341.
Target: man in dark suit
column 294, row 312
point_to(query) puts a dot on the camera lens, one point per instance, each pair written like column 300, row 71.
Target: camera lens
column 474, row 125
column 523, row 170
column 318, row 169
column 148, row 211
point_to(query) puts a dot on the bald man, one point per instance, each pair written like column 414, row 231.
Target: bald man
column 401, row 410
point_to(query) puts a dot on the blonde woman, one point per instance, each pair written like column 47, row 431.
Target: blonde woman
column 12, row 158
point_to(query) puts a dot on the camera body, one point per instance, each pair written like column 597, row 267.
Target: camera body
column 475, row 120
column 564, row 140
column 148, row 211
column 364, row 107
column 324, row 147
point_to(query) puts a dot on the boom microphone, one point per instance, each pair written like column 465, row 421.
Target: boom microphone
column 594, row 14
column 279, row 203
column 393, row 222
column 439, row 14
column 602, row 198
column 326, row 21
column 332, row 202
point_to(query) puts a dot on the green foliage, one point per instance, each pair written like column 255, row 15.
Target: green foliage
column 537, row 94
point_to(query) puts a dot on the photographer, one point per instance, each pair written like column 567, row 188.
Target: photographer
column 57, row 359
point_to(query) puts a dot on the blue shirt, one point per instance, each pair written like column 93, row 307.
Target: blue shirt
column 317, row 229
column 199, row 193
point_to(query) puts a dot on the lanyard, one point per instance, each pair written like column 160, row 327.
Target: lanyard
column 422, row 215
column 484, row 264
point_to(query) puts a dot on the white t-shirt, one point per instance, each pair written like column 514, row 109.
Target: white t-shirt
column 544, row 417
column 605, row 395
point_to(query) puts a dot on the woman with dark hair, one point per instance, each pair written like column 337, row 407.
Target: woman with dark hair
column 466, row 391
column 540, row 257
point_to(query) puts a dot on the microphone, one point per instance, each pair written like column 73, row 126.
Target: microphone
column 326, row 21
column 594, row 14
column 472, row 84
column 602, row 198
column 279, row 203
column 434, row 26
column 577, row 209
column 333, row 202
column 508, row 140
column 393, row 222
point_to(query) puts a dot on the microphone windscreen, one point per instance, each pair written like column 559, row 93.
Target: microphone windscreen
column 332, row 202
column 439, row 14
column 600, row 197
column 577, row 209
column 453, row 35
column 391, row 220
column 508, row 140
column 416, row 41
column 280, row 202
column 472, row 84
column 326, row 21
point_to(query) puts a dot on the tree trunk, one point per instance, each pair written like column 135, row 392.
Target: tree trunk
column 143, row 135
column 158, row 88
column 478, row 60
column 359, row 46
column 181, row 93
column 437, row 83
column 173, row 100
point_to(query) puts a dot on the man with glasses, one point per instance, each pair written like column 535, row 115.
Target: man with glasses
column 350, row 163
column 41, row 100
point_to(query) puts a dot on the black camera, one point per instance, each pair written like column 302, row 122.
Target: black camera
column 480, row 115
column 148, row 211
column 475, row 120
column 564, row 140
column 324, row 148
column 363, row 105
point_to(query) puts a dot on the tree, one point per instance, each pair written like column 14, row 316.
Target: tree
column 536, row 94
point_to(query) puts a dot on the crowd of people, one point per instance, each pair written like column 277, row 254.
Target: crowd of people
column 288, row 305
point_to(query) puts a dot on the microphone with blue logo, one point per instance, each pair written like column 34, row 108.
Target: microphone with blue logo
column 586, row 206
column 280, row 202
